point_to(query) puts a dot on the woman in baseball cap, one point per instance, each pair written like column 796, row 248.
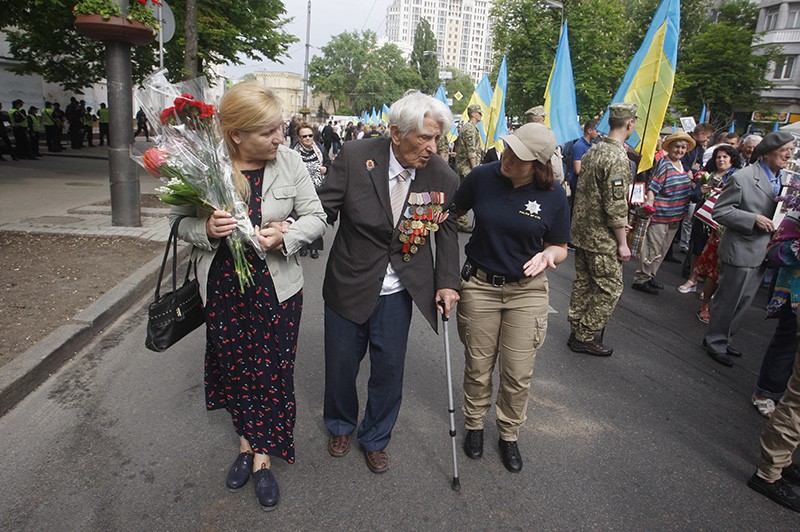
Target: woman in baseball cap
column 521, row 229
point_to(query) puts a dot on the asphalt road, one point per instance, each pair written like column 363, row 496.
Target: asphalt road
column 658, row 436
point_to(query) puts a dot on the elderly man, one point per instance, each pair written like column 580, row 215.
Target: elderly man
column 745, row 208
column 391, row 195
column 748, row 147
column 599, row 221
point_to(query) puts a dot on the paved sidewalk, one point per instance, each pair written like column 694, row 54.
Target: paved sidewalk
column 58, row 194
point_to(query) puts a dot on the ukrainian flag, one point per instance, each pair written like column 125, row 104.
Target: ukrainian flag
column 497, row 118
column 482, row 95
column 649, row 79
column 562, row 117
column 442, row 97
column 385, row 114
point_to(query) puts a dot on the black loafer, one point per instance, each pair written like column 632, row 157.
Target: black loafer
column 779, row 491
column 473, row 444
column 792, row 474
column 267, row 491
column 240, row 470
column 509, row 454
column 647, row 288
column 722, row 358
column 731, row 351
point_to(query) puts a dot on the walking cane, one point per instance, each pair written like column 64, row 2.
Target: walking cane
column 456, row 483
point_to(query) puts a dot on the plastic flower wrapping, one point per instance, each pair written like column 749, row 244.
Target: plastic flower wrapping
column 191, row 159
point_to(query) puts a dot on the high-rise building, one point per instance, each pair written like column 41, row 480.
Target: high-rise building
column 461, row 27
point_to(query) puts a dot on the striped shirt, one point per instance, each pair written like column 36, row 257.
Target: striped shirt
column 671, row 188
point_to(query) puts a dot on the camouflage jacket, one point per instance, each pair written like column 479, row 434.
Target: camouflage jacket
column 470, row 144
column 601, row 202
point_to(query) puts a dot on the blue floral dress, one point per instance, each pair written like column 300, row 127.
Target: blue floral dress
column 251, row 340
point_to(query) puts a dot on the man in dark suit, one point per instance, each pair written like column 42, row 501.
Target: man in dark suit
column 390, row 196
column 745, row 208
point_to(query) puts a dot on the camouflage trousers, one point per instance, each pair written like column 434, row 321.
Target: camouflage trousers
column 595, row 292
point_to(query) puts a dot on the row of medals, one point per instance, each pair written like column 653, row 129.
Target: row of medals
column 423, row 216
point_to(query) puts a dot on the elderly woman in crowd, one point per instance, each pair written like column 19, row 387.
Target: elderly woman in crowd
column 251, row 335
column 317, row 163
column 723, row 163
column 745, row 209
column 668, row 191
column 521, row 228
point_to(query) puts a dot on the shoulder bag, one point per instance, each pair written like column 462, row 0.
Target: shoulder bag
column 177, row 313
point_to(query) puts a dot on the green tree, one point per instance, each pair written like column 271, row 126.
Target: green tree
column 526, row 32
column 423, row 57
column 597, row 35
column 227, row 30
column 359, row 75
column 720, row 68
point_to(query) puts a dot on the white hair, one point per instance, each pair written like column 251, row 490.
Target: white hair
column 409, row 113
column 753, row 139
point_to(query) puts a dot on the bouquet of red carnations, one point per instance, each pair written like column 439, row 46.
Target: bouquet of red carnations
column 191, row 159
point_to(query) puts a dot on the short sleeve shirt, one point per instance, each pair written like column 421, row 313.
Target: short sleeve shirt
column 578, row 151
column 511, row 224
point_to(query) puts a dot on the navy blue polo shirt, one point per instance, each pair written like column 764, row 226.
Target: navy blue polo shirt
column 511, row 224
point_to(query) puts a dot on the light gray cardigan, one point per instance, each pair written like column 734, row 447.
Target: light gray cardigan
column 286, row 189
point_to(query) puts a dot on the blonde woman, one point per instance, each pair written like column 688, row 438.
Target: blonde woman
column 251, row 336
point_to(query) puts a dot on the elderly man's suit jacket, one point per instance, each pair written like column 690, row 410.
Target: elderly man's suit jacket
column 747, row 194
column 356, row 192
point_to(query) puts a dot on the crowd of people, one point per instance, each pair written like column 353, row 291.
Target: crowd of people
column 401, row 195
column 77, row 124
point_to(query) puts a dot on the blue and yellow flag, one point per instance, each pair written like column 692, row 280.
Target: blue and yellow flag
column 562, row 117
column 385, row 114
column 441, row 95
column 703, row 115
column 482, row 95
column 497, row 126
column 649, row 79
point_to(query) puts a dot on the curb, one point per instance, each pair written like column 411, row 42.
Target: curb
column 26, row 372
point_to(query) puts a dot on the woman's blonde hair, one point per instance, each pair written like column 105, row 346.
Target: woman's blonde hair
column 247, row 106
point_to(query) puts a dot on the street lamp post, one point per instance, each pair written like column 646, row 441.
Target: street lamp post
column 559, row 6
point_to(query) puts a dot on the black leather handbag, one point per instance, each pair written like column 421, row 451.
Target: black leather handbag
column 177, row 313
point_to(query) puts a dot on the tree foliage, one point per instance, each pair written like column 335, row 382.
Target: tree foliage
column 720, row 67
column 423, row 57
column 37, row 31
column 716, row 62
column 359, row 75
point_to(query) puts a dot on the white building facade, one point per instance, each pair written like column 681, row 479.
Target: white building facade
column 779, row 21
column 461, row 27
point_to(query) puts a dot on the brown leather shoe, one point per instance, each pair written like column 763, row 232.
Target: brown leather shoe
column 339, row 445
column 593, row 347
column 377, row 461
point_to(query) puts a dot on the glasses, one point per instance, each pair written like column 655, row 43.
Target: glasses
column 306, row 136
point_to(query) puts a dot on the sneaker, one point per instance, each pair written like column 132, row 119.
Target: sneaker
column 792, row 474
column 655, row 284
column 779, row 491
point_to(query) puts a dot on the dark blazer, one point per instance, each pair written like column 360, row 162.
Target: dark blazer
column 747, row 194
column 367, row 239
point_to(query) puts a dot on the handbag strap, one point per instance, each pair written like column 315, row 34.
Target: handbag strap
column 171, row 240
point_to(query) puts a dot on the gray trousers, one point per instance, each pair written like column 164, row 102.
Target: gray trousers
column 737, row 287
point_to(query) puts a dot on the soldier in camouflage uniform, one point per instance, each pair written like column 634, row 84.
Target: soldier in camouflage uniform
column 599, row 221
column 469, row 152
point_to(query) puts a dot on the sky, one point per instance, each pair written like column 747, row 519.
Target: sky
column 328, row 18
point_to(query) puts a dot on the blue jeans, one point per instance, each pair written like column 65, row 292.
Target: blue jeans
column 386, row 334
column 776, row 368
